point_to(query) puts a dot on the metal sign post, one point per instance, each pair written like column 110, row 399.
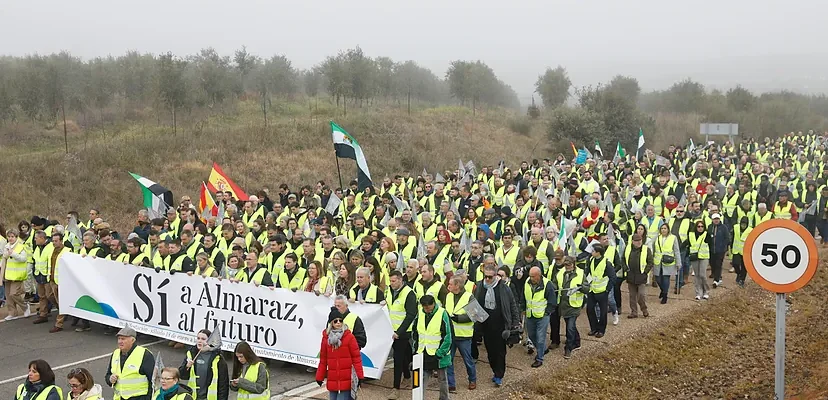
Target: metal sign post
column 779, row 358
column 781, row 257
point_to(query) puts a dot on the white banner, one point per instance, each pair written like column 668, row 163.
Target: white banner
column 278, row 324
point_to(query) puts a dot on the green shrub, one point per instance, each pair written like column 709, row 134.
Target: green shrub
column 521, row 126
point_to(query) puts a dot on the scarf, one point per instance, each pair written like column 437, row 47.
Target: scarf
column 311, row 284
column 489, row 301
column 335, row 337
column 162, row 393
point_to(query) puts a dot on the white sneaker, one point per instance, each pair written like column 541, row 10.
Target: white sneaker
column 615, row 319
column 698, row 298
column 715, row 284
column 732, row 270
column 9, row 318
column 692, row 273
column 706, row 296
column 27, row 313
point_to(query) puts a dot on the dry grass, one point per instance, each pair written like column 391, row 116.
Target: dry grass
column 724, row 351
column 295, row 149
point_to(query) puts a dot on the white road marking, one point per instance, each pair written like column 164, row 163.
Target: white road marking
column 72, row 364
column 311, row 389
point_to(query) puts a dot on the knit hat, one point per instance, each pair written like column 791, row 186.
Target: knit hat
column 334, row 314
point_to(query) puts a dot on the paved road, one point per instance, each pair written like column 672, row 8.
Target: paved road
column 21, row 342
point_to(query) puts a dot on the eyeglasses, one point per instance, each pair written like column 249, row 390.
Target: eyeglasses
column 167, row 379
column 75, row 386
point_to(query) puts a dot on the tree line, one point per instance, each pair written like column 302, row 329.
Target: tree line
column 41, row 87
column 615, row 111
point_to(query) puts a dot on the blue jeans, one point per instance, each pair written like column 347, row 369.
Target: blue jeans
column 536, row 329
column 465, row 347
column 573, row 338
column 664, row 284
column 613, row 308
column 343, row 395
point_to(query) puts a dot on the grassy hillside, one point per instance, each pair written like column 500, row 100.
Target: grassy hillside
column 40, row 178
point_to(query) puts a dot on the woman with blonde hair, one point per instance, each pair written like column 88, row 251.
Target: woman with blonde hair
column 204, row 267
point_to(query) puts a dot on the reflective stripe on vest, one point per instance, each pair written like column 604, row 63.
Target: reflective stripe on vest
column 370, row 296
column 577, row 298
column 461, row 329
column 509, row 258
column 396, row 309
column 212, row 389
column 295, row 283
column 252, row 375
column 16, row 270
column 41, row 260
column 739, row 239
column 642, row 261
column 699, row 246
column 429, row 337
column 43, row 395
column 244, row 276
column 783, row 213
column 535, row 301
column 596, row 271
column 433, row 290
column 130, row 381
column 664, row 247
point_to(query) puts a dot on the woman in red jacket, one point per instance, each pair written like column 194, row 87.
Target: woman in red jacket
column 338, row 356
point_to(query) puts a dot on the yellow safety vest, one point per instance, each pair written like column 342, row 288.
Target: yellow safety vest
column 642, row 261
column 177, row 265
column 699, row 246
column 544, row 260
column 370, row 296
column 23, row 395
column 16, row 270
column 461, row 329
column 350, row 320
column 739, row 239
column 652, row 227
column 509, row 258
column 780, row 213
column 41, row 259
column 684, row 228
column 64, row 250
column 433, row 290
column 664, row 247
column 324, row 281
column 296, row 282
column 757, row 219
column 396, row 309
column 252, row 375
column 577, row 298
column 130, row 381
column 212, row 389
column 258, row 275
column 596, row 271
column 730, row 204
column 207, row 272
column 535, row 301
column 429, row 337
column 121, row 258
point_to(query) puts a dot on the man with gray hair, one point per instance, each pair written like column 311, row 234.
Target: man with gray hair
column 504, row 318
column 143, row 227
column 350, row 319
column 365, row 291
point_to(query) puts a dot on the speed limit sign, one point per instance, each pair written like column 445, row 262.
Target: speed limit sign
column 780, row 255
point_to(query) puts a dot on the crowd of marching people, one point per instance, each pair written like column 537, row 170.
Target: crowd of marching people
column 525, row 249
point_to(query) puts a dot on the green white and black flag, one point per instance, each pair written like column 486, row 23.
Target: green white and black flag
column 156, row 197
column 348, row 147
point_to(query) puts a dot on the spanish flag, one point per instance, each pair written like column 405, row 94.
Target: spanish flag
column 574, row 151
column 206, row 204
column 218, row 180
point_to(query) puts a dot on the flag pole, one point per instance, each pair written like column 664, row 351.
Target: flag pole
column 337, row 170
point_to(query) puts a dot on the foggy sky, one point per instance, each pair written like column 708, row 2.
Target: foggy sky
column 762, row 44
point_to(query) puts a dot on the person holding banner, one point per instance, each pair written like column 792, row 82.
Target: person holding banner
column 171, row 388
column 338, row 357
column 206, row 372
column 254, row 272
column 130, row 368
column 317, row 281
column 433, row 338
column 250, row 377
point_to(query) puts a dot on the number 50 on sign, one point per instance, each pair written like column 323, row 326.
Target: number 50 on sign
column 780, row 256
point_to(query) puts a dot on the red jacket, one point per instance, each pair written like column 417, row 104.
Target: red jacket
column 337, row 363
